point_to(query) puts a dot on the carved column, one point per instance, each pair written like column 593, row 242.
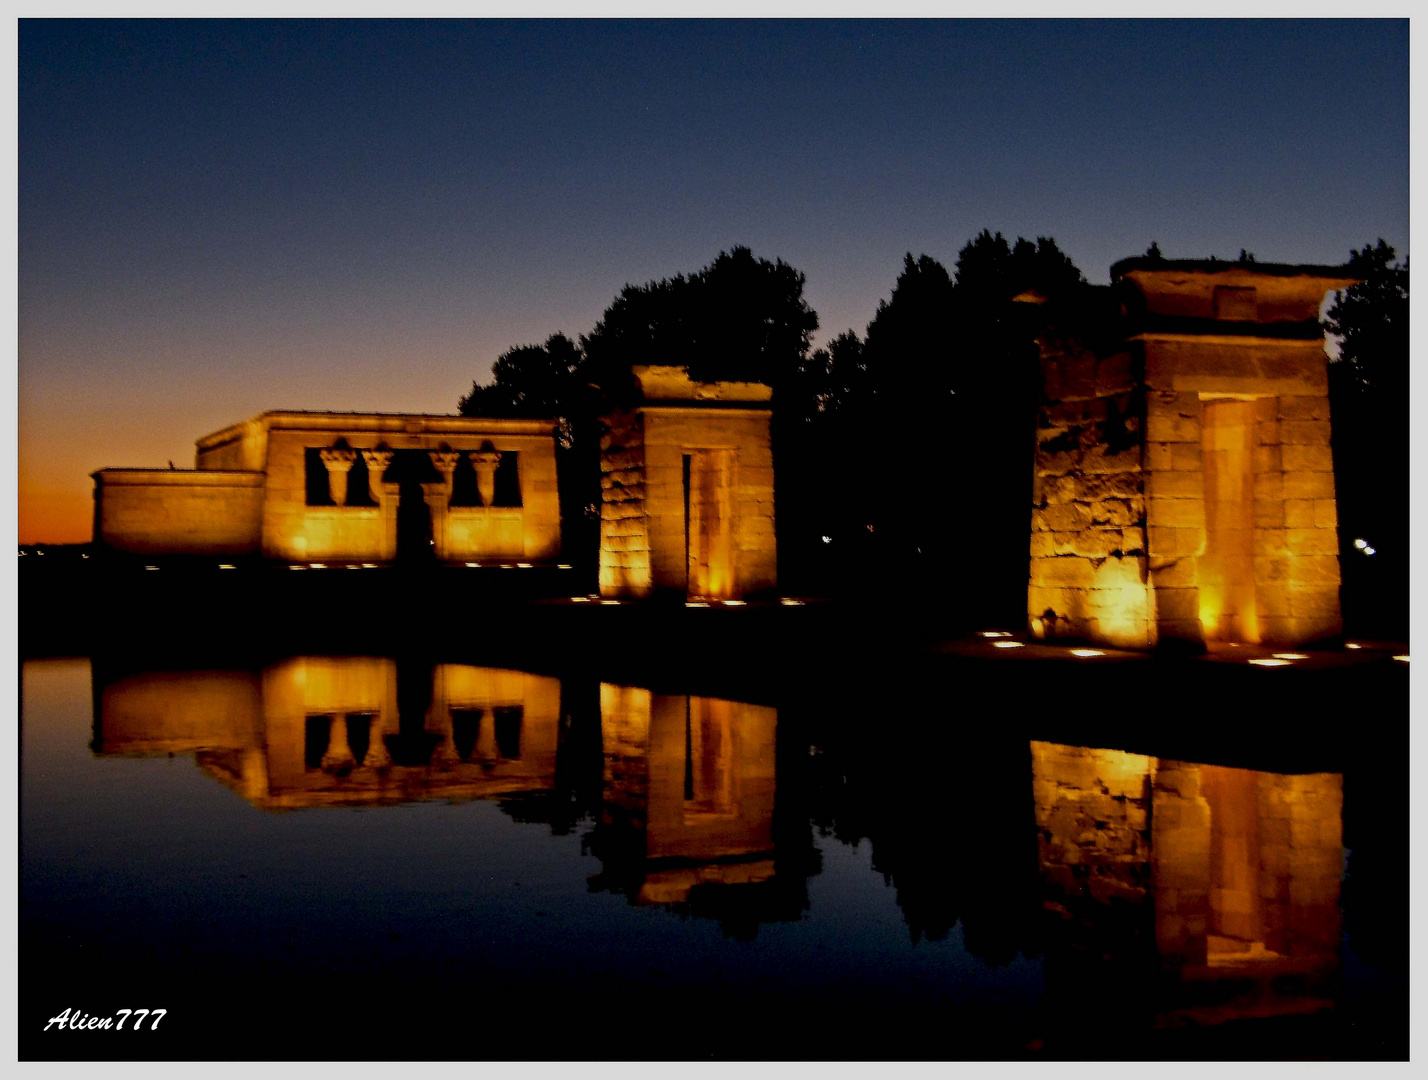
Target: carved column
column 377, row 463
column 438, row 498
column 378, row 756
column 484, row 461
column 339, row 462
column 386, row 496
column 438, row 722
column 338, row 753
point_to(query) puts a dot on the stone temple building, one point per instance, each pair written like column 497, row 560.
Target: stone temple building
column 687, row 501
column 1183, row 483
column 335, row 487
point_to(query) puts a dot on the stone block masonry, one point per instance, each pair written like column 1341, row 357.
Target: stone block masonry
column 687, row 491
column 254, row 492
column 1183, row 482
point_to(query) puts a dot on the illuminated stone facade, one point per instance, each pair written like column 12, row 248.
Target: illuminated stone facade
column 1183, row 481
column 298, row 487
column 687, row 502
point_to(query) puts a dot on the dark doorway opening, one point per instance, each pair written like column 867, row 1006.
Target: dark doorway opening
column 409, row 470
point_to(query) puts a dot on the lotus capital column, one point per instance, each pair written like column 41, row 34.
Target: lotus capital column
column 385, row 495
column 339, row 461
column 438, row 498
column 485, row 461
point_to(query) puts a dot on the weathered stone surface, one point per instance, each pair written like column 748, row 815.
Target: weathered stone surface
column 1131, row 445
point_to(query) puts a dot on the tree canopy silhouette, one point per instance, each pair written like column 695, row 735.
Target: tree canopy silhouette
column 1371, row 321
column 946, row 387
column 529, row 380
column 740, row 318
column 1368, row 401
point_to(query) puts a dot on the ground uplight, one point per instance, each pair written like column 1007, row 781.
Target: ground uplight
column 1006, row 644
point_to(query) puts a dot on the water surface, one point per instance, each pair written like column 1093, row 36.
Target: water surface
column 360, row 857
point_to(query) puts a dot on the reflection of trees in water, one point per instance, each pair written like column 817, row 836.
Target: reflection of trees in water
column 1375, row 890
column 946, row 810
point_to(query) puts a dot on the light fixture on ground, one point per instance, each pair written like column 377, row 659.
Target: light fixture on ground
column 1087, row 652
column 1269, row 662
column 1006, row 644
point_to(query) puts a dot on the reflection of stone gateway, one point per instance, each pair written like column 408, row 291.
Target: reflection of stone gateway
column 689, row 781
column 298, row 486
column 1225, row 879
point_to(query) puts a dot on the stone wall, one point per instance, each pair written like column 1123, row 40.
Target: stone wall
column 205, row 512
column 624, row 523
column 669, row 434
column 294, row 531
column 1184, row 484
column 1088, row 543
column 1295, row 543
column 178, row 511
column 242, row 446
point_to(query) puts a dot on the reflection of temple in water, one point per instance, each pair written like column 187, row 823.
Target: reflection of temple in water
column 1218, row 886
column 688, row 816
column 686, row 805
column 330, row 731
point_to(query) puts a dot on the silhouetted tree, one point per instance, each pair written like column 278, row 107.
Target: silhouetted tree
column 1371, row 321
column 740, row 318
column 530, row 380
column 1368, row 391
column 951, row 365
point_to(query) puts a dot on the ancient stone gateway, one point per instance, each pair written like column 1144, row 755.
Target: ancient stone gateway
column 1183, row 484
column 687, row 490
column 360, row 487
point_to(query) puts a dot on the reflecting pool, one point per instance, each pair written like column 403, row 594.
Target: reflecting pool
column 358, row 857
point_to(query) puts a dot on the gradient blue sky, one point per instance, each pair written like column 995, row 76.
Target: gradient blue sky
column 218, row 218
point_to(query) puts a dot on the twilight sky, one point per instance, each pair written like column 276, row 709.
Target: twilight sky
column 220, row 218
